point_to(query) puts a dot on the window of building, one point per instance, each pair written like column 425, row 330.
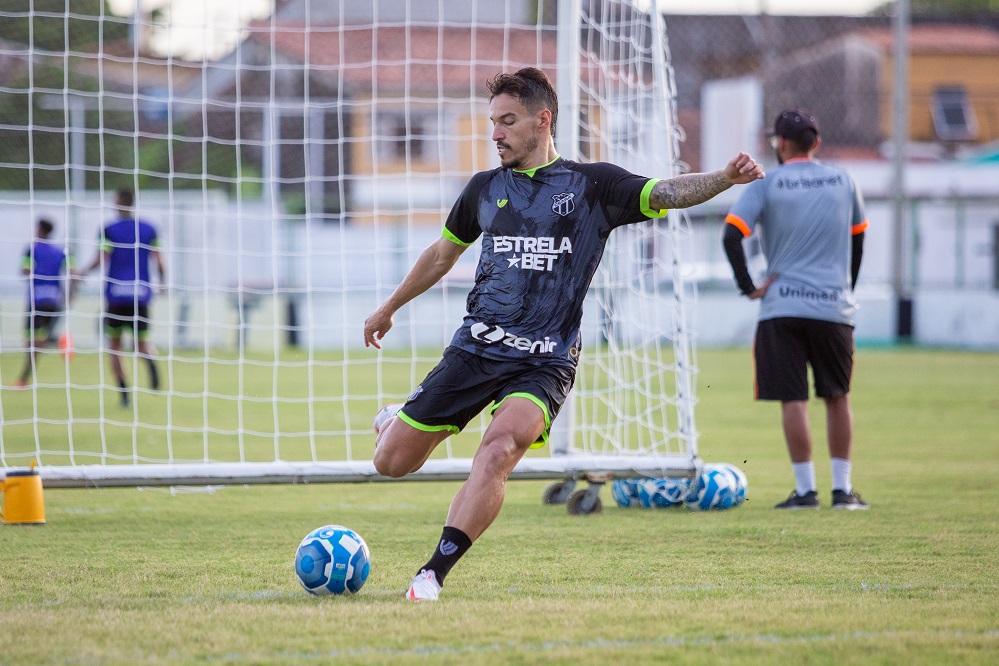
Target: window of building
column 953, row 119
column 407, row 135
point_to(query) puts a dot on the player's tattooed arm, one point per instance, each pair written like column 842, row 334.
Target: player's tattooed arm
column 688, row 190
column 695, row 188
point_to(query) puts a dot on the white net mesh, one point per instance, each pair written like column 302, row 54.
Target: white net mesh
column 293, row 180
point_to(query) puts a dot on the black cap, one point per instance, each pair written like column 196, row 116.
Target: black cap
column 798, row 125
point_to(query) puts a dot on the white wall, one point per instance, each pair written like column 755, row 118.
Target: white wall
column 733, row 110
column 338, row 274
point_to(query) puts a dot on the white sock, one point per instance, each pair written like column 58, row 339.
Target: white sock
column 841, row 474
column 804, row 476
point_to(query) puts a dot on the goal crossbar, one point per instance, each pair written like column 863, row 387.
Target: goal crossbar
column 193, row 474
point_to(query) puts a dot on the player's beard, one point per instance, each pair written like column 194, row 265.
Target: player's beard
column 780, row 160
column 517, row 161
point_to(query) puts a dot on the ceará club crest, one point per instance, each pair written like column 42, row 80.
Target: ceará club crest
column 563, row 204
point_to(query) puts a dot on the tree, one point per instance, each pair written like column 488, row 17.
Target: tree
column 35, row 133
column 46, row 25
column 939, row 7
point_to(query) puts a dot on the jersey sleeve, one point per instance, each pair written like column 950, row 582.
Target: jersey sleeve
column 26, row 259
column 623, row 194
column 462, row 225
column 103, row 240
column 858, row 220
column 746, row 212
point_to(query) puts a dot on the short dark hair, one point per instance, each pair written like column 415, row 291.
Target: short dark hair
column 45, row 227
column 531, row 87
column 124, row 197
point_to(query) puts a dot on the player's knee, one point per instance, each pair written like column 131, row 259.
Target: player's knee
column 388, row 463
column 499, row 451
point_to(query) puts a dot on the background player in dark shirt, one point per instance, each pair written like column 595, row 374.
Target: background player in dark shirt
column 127, row 247
column 46, row 265
column 544, row 222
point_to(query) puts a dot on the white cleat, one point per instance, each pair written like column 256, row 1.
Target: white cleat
column 384, row 415
column 424, row 587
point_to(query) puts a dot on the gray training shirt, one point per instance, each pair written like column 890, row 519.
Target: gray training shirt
column 806, row 213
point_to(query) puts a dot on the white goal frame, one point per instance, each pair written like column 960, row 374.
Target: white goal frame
column 617, row 99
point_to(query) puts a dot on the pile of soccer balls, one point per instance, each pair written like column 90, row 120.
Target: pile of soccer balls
column 718, row 486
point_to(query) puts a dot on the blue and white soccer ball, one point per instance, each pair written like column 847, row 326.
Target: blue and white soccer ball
column 714, row 488
column 662, row 493
column 332, row 560
column 625, row 492
column 741, row 482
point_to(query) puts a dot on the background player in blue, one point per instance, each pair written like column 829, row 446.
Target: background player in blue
column 127, row 247
column 543, row 222
column 46, row 265
column 812, row 221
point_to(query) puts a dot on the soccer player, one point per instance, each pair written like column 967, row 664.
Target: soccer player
column 45, row 264
column 812, row 222
column 544, row 221
column 127, row 246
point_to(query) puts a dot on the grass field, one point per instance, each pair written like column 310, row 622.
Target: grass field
column 146, row 576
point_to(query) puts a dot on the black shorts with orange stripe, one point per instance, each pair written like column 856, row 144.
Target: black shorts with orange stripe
column 463, row 384
column 785, row 347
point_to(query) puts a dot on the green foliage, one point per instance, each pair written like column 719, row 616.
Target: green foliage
column 40, row 136
column 942, row 7
column 36, row 134
column 46, row 26
column 144, row 576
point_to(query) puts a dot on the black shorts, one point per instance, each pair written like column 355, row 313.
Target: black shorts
column 785, row 346
column 118, row 317
column 463, row 384
column 41, row 322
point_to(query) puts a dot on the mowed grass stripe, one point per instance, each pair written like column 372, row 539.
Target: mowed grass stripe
column 123, row 576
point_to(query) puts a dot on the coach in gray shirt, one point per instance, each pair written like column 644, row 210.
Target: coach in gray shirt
column 811, row 221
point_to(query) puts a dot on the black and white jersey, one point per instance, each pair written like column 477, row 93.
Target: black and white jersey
column 543, row 234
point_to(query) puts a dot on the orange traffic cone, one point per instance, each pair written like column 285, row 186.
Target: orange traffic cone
column 66, row 345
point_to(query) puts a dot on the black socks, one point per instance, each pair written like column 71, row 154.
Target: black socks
column 453, row 544
column 154, row 376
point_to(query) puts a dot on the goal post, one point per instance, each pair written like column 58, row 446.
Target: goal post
column 293, row 177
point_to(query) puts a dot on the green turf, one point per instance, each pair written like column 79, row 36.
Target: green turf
column 145, row 576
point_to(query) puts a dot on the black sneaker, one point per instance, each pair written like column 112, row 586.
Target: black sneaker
column 809, row 500
column 848, row 501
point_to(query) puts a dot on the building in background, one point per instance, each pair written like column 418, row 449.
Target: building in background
column 841, row 67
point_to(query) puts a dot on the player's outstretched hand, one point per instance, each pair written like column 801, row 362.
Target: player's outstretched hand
column 743, row 169
column 376, row 326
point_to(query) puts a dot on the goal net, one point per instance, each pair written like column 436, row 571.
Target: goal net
column 293, row 167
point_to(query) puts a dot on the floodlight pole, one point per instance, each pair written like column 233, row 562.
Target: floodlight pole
column 903, row 296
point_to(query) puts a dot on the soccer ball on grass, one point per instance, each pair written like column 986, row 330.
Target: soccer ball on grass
column 741, row 483
column 625, row 492
column 663, row 493
column 332, row 560
column 717, row 487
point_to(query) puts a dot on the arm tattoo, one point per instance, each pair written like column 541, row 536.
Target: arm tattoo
column 688, row 190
